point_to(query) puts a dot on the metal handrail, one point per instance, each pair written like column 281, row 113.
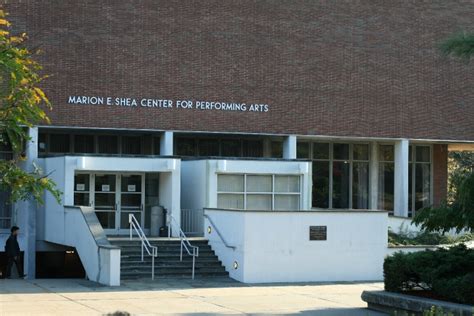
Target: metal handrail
column 219, row 233
column 184, row 242
column 145, row 243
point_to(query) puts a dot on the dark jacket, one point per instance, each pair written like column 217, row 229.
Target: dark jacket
column 12, row 248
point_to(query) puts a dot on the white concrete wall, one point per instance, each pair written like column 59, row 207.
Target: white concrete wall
column 201, row 176
column 402, row 225
column 275, row 246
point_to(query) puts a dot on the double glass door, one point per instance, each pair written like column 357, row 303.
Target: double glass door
column 113, row 196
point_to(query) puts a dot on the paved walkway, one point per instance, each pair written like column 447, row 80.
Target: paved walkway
column 181, row 297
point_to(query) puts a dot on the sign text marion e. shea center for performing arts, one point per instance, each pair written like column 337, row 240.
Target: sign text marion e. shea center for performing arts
column 167, row 104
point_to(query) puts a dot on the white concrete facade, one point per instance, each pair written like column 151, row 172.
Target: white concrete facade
column 275, row 246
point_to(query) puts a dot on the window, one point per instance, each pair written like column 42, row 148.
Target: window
column 156, row 146
column 5, row 210
column 419, row 186
column 231, row 148
column 186, row 147
column 258, row 192
column 59, row 143
column 340, row 174
column 277, row 149
column 131, row 145
column 252, row 148
column 386, row 177
column 208, row 147
column 107, row 144
column 6, row 151
column 84, row 144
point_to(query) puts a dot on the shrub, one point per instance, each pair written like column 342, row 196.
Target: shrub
column 449, row 273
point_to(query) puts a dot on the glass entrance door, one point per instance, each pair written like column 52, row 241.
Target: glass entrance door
column 105, row 201
column 113, row 196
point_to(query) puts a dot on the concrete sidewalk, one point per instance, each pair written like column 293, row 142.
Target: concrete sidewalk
column 181, row 297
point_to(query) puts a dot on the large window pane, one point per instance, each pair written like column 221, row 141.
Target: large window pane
column 208, row 147
column 106, row 219
column 107, row 144
column 252, row 148
column 232, row 201
column 302, row 150
column 422, row 185
column 131, row 183
column 321, row 184
column 231, row 148
column 422, row 153
column 360, row 185
column 320, row 151
column 361, row 151
column 386, row 153
column 341, row 151
column 287, row 202
column 259, row 202
column 59, row 143
column 340, row 192
column 105, row 183
column 5, row 210
column 185, row 147
column 277, row 149
column 230, row 183
column 386, row 186
column 287, row 184
column 259, row 183
column 131, row 145
column 84, row 144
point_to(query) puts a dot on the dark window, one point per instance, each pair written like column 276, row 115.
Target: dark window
column 231, row 148
column 277, row 149
column 253, row 148
column 341, row 151
column 185, row 147
column 107, row 144
column 156, row 146
column 42, row 140
column 59, row 143
column 302, row 150
column 321, row 184
column 5, row 210
column 340, row 184
column 84, row 144
column 320, row 151
column 208, row 147
column 131, row 145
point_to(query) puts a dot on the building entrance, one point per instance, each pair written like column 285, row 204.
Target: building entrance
column 113, row 196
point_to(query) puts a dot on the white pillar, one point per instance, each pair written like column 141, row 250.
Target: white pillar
column 289, row 147
column 27, row 209
column 374, row 176
column 401, row 178
column 166, row 144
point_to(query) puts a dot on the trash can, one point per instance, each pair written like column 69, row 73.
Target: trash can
column 156, row 220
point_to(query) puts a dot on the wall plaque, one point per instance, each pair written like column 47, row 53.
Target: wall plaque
column 317, row 232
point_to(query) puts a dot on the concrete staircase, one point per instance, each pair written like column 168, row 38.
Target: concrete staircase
column 167, row 264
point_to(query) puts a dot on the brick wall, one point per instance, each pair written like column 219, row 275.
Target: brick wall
column 339, row 68
column 440, row 173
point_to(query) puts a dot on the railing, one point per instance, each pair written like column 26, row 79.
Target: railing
column 145, row 243
column 192, row 222
column 219, row 233
column 184, row 242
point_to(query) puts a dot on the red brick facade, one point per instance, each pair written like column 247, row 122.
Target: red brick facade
column 339, row 68
column 440, row 173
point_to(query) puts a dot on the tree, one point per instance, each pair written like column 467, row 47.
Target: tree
column 460, row 45
column 21, row 102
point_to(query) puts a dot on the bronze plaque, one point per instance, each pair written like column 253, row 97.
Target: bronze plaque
column 317, row 232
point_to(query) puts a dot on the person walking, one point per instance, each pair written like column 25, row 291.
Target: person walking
column 12, row 249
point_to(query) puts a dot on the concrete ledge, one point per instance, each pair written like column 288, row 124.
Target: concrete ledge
column 390, row 302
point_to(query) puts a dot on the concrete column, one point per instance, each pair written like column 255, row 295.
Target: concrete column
column 166, row 144
column 374, row 176
column 289, row 147
column 27, row 210
column 401, row 178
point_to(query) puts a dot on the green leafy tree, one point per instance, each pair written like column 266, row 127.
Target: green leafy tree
column 21, row 103
column 460, row 45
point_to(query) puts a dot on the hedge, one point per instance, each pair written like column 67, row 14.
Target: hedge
column 448, row 273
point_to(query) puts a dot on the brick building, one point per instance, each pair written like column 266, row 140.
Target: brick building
column 351, row 99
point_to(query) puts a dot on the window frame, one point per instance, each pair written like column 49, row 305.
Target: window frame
column 330, row 160
column 272, row 193
column 412, row 163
